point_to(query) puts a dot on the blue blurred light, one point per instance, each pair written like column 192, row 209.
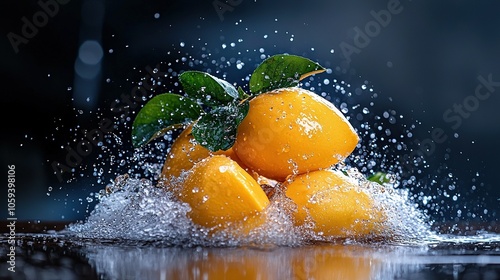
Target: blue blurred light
column 90, row 52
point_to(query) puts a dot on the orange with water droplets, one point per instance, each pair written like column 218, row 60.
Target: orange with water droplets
column 185, row 152
column 221, row 193
column 334, row 205
column 293, row 130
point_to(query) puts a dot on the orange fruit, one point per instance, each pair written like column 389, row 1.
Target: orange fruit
column 293, row 130
column 221, row 193
column 232, row 155
column 185, row 152
column 335, row 204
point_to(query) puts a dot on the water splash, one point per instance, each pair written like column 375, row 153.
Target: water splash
column 136, row 209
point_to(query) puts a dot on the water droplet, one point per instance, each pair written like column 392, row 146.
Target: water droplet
column 239, row 64
column 223, row 168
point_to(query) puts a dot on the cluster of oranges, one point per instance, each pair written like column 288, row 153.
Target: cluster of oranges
column 290, row 136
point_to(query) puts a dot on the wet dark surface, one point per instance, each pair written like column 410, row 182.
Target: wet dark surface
column 48, row 254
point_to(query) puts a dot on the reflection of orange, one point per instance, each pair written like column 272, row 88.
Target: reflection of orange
column 293, row 129
column 226, row 263
column 332, row 262
column 334, row 203
column 219, row 192
column 321, row 262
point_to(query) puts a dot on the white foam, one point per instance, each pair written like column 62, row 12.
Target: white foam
column 135, row 209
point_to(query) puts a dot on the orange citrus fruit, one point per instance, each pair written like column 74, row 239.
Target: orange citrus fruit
column 232, row 155
column 185, row 152
column 293, row 130
column 221, row 193
column 335, row 204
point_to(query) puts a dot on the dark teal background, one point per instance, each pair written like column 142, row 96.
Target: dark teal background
column 424, row 61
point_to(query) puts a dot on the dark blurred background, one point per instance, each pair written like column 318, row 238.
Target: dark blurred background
column 64, row 63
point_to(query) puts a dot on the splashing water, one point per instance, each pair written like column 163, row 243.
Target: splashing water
column 132, row 208
column 135, row 209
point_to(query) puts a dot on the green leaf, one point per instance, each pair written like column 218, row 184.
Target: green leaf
column 242, row 94
column 160, row 114
column 217, row 129
column 282, row 70
column 379, row 177
column 210, row 90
